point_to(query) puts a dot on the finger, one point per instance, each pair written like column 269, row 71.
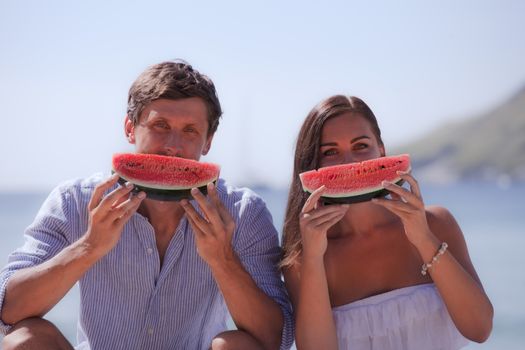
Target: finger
column 126, row 209
column 110, row 201
column 196, row 230
column 414, row 185
column 193, row 216
column 329, row 217
column 100, row 189
column 208, row 209
column 313, row 199
column 122, row 199
column 223, row 212
column 400, row 191
column 329, row 223
column 325, row 211
column 396, row 197
column 397, row 207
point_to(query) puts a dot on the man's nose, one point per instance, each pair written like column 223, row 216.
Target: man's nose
column 174, row 144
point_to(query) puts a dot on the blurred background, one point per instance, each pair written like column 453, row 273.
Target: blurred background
column 446, row 81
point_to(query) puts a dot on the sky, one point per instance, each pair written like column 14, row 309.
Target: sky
column 66, row 67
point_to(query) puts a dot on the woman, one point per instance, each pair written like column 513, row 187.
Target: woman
column 354, row 272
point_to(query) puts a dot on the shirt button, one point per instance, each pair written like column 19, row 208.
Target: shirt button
column 149, row 250
column 150, row 331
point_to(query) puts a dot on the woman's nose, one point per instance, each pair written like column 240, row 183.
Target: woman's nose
column 348, row 157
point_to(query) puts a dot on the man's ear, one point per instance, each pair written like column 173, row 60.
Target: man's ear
column 129, row 130
column 207, row 145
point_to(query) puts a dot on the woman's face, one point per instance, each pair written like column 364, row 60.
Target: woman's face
column 348, row 138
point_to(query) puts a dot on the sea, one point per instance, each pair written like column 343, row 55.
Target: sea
column 492, row 218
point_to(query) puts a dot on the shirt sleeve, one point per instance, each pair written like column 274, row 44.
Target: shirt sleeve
column 44, row 238
column 258, row 248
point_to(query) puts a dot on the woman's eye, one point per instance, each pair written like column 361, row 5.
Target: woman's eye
column 329, row 152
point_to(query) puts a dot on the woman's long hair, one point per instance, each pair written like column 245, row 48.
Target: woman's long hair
column 307, row 153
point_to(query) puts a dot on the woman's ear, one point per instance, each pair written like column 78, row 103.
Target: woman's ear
column 382, row 150
column 129, row 129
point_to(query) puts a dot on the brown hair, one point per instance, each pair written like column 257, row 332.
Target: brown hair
column 173, row 80
column 307, row 158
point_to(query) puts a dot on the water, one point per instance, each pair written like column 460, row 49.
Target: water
column 492, row 220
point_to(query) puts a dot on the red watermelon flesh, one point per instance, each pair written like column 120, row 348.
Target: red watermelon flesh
column 355, row 182
column 153, row 171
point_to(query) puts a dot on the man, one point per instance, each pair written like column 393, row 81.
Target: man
column 152, row 275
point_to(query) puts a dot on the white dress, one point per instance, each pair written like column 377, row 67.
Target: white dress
column 411, row 318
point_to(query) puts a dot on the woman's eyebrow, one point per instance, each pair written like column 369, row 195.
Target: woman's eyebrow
column 351, row 141
column 359, row 138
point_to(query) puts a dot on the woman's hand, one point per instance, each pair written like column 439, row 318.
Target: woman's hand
column 314, row 223
column 409, row 206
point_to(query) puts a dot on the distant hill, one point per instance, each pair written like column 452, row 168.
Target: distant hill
column 489, row 147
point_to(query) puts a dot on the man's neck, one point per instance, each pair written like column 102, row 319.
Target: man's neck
column 163, row 216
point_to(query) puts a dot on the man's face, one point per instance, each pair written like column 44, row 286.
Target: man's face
column 172, row 128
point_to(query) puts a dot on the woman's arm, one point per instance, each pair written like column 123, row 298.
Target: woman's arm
column 453, row 272
column 306, row 281
column 308, row 290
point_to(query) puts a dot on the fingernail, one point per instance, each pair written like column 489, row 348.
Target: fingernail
column 194, row 190
column 113, row 177
column 385, row 183
column 128, row 185
column 141, row 195
column 211, row 186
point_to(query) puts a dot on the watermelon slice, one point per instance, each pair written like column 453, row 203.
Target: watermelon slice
column 356, row 182
column 162, row 177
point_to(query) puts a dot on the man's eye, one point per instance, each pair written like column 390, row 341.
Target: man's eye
column 190, row 129
column 361, row 146
column 161, row 125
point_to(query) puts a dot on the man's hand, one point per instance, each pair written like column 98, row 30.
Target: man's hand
column 109, row 214
column 214, row 231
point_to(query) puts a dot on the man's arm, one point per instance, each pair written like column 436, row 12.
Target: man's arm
column 241, row 283
column 34, row 290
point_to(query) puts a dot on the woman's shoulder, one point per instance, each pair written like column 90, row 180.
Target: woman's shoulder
column 444, row 225
column 437, row 212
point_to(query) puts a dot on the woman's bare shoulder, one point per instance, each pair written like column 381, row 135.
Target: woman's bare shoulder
column 443, row 224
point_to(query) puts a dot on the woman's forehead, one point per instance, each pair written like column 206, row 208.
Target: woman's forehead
column 346, row 124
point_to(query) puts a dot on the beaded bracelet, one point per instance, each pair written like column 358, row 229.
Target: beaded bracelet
column 442, row 249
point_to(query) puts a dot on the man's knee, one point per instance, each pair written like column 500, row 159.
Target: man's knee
column 34, row 333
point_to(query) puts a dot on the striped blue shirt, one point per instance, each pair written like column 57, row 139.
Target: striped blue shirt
column 128, row 300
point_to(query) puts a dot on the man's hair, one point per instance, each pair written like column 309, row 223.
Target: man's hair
column 173, row 80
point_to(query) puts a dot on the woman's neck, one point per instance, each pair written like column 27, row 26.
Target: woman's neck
column 361, row 219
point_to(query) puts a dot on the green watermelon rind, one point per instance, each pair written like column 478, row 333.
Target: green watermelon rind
column 358, row 198
column 164, row 195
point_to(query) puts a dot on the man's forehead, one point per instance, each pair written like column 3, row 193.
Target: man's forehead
column 192, row 108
